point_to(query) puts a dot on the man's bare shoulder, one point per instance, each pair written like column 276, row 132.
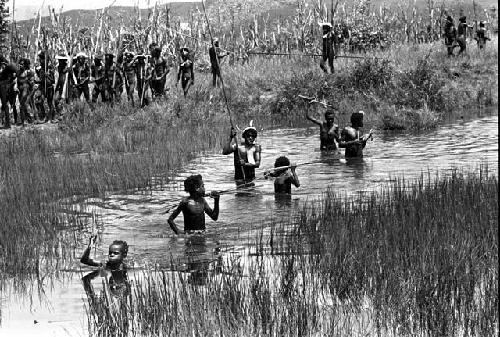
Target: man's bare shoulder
column 184, row 202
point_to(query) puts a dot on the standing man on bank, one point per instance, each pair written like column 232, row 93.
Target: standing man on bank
column 328, row 52
column 216, row 55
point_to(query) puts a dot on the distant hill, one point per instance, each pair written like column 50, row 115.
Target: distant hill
column 117, row 15
column 276, row 8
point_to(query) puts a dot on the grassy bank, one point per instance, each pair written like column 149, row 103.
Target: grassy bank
column 419, row 258
column 118, row 148
column 405, row 87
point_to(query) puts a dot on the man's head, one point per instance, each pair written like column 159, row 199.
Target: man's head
column 194, row 185
column 24, row 63
column 62, row 60
column 184, row 52
column 481, row 23
column 81, row 57
column 141, row 59
column 357, row 119
column 129, row 55
column 327, row 27
column 282, row 161
column 463, row 19
column 216, row 42
column 330, row 115
column 117, row 252
column 152, row 46
column 156, row 51
column 108, row 58
column 249, row 134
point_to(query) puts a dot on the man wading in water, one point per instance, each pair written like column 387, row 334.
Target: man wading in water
column 351, row 138
column 195, row 207
column 246, row 155
column 328, row 130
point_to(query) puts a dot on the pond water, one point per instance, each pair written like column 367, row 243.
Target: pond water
column 139, row 218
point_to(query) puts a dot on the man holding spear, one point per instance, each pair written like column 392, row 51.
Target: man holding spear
column 45, row 81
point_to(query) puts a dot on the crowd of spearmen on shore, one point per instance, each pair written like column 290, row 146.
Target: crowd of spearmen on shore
column 43, row 89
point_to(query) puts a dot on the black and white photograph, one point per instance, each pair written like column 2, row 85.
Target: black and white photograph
column 249, row 168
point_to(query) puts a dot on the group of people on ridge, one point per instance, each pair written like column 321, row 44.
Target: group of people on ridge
column 457, row 36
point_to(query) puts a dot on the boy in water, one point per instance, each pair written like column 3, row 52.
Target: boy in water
column 285, row 176
column 246, row 155
column 328, row 130
column 351, row 138
column 118, row 282
column 194, row 207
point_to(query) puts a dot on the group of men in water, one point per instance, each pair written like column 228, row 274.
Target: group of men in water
column 247, row 158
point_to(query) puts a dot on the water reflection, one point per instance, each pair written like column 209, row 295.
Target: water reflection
column 200, row 259
column 331, row 158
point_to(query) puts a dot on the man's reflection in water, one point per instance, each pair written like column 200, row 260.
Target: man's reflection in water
column 331, row 158
column 357, row 166
column 200, row 258
column 283, row 200
column 245, row 188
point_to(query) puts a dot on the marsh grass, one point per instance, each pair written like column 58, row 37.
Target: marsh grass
column 418, row 258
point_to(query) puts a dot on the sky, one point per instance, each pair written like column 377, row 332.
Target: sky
column 25, row 8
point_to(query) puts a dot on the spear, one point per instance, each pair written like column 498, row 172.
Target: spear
column 37, row 41
column 475, row 17
column 311, row 55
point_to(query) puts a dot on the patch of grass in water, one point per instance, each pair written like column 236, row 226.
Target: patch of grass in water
column 417, row 258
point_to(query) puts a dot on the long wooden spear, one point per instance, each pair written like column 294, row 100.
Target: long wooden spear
column 237, row 150
column 218, row 64
column 37, row 41
column 311, row 55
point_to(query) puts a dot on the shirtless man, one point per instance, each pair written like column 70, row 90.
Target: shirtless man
column 194, row 207
column 246, row 155
column 351, row 138
column 328, row 130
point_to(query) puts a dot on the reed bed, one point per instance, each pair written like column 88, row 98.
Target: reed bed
column 418, row 258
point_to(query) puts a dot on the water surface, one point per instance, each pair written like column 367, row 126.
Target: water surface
column 140, row 219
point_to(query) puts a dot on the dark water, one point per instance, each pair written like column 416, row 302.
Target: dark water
column 140, row 218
